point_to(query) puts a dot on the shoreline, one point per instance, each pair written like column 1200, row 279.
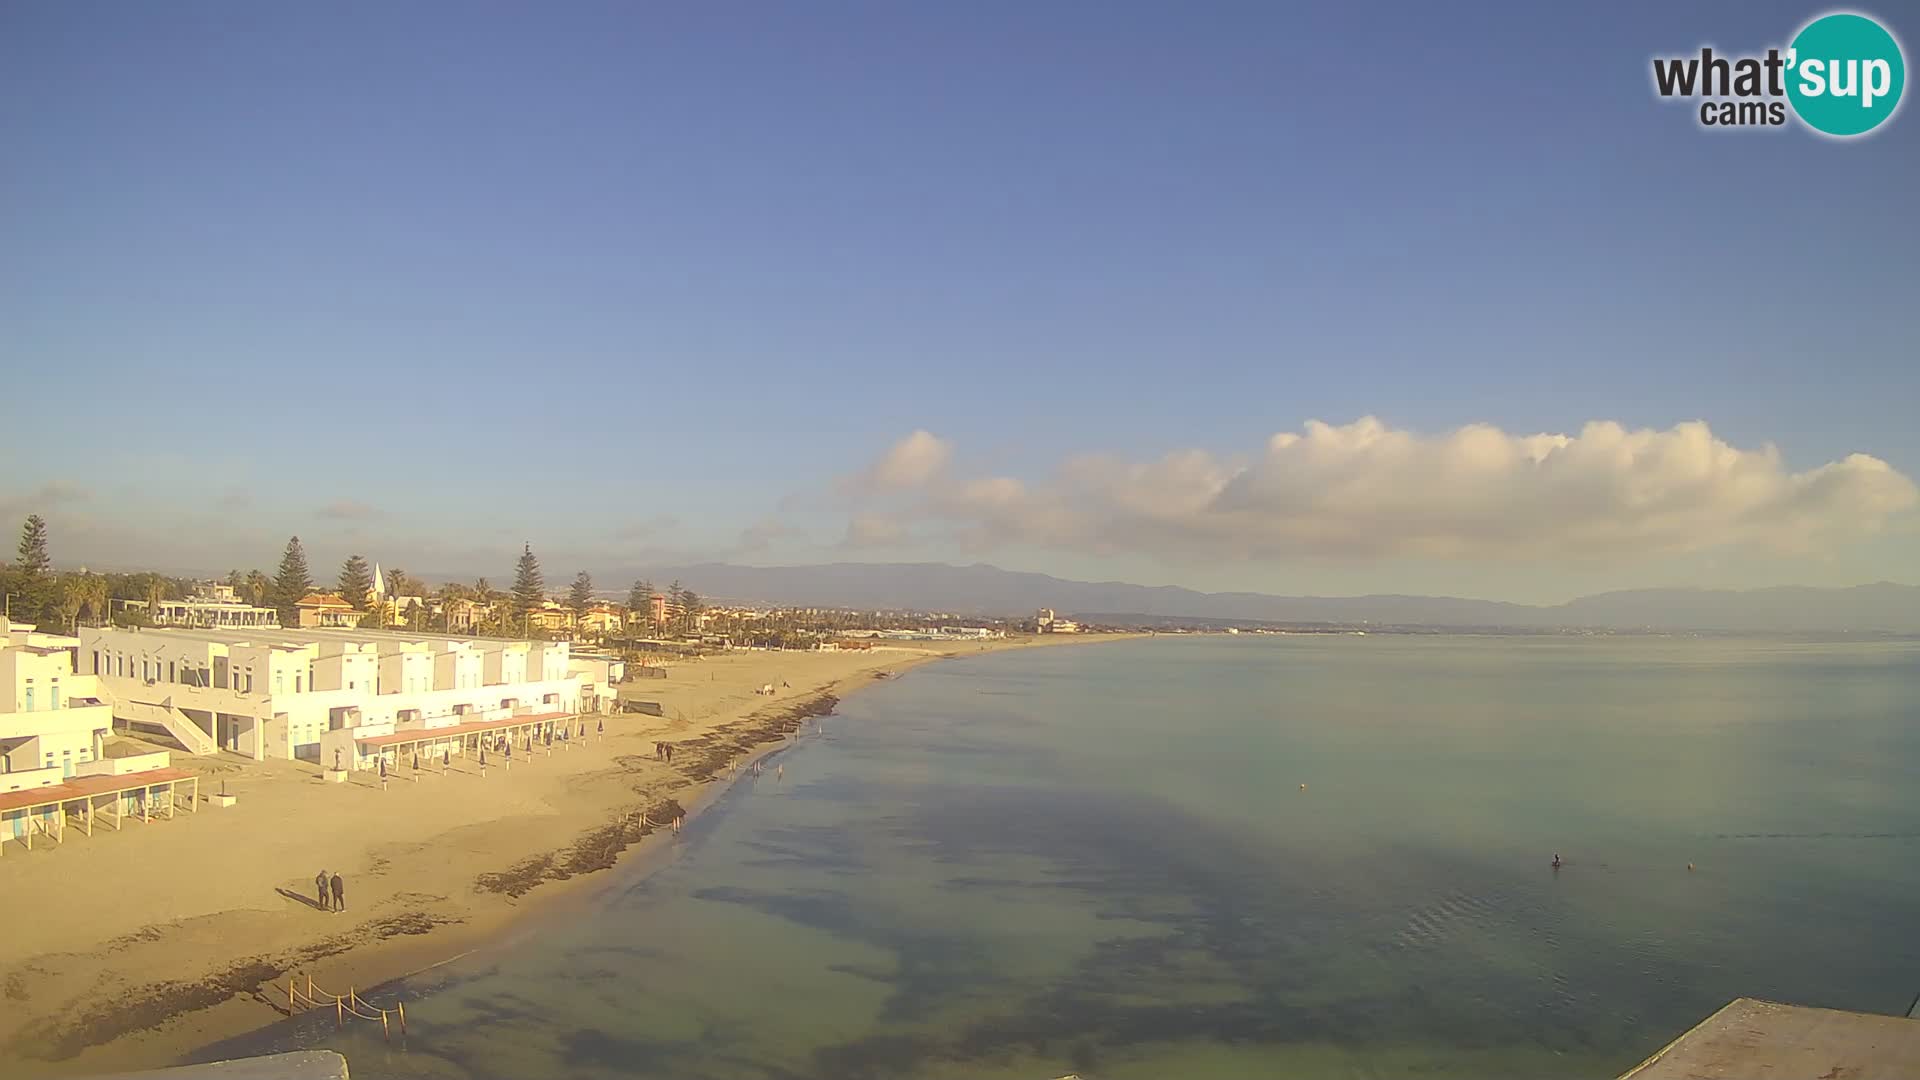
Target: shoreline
column 153, row 1022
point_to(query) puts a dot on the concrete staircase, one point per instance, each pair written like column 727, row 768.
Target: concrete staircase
column 192, row 738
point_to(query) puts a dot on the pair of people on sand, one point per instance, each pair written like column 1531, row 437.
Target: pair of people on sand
column 323, row 884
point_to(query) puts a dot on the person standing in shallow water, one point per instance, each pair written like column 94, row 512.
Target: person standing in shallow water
column 339, row 893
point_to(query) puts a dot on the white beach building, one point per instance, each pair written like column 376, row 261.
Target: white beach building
column 328, row 695
column 53, row 767
column 52, row 721
column 214, row 605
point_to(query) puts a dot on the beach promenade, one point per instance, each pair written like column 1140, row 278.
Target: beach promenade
column 141, row 947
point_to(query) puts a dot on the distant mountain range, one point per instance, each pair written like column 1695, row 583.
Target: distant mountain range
column 988, row 590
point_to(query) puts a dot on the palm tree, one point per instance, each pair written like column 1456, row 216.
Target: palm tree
column 93, row 594
column 257, row 586
column 73, row 595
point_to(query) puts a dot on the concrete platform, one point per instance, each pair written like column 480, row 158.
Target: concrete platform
column 299, row 1065
column 1749, row 1039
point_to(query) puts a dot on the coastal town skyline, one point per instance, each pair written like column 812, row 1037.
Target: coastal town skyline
column 649, row 291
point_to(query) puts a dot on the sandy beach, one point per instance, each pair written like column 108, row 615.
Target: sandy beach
column 131, row 949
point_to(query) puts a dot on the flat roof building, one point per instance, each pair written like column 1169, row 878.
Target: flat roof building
column 315, row 693
column 211, row 606
column 52, row 719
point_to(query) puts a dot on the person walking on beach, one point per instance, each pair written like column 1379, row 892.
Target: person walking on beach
column 339, row 893
column 320, row 888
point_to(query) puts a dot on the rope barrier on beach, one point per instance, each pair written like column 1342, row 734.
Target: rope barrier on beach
column 351, row 1005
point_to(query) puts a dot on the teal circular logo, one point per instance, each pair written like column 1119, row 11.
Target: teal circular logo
column 1845, row 74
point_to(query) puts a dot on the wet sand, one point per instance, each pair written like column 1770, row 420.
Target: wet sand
column 130, row 949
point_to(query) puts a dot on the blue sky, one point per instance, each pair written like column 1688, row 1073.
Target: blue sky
column 626, row 280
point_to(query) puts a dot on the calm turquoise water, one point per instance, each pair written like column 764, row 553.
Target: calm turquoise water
column 1101, row 859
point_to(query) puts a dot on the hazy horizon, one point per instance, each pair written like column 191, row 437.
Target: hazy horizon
column 1109, row 294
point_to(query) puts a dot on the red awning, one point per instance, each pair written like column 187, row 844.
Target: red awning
column 91, row 786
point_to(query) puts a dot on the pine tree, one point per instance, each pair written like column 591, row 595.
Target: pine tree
column 580, row 597
column 36, row 593
column 640, row 598
column 356, row 581
column 676, row 607
column 529, row 588
column 292, row 584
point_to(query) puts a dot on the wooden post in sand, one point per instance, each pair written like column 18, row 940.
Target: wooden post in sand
column 339, row 1014
column 402, row 1006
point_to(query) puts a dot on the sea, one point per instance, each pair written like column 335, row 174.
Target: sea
column 1256, row 856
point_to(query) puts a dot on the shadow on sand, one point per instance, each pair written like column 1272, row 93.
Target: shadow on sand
column 307, row 900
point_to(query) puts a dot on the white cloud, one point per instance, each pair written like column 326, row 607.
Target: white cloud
column 874, row 530
column 911, row 463
column 765, row 533
column 348, row 510
column 52, row 494
column 1367, row 491
column 645, row 528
